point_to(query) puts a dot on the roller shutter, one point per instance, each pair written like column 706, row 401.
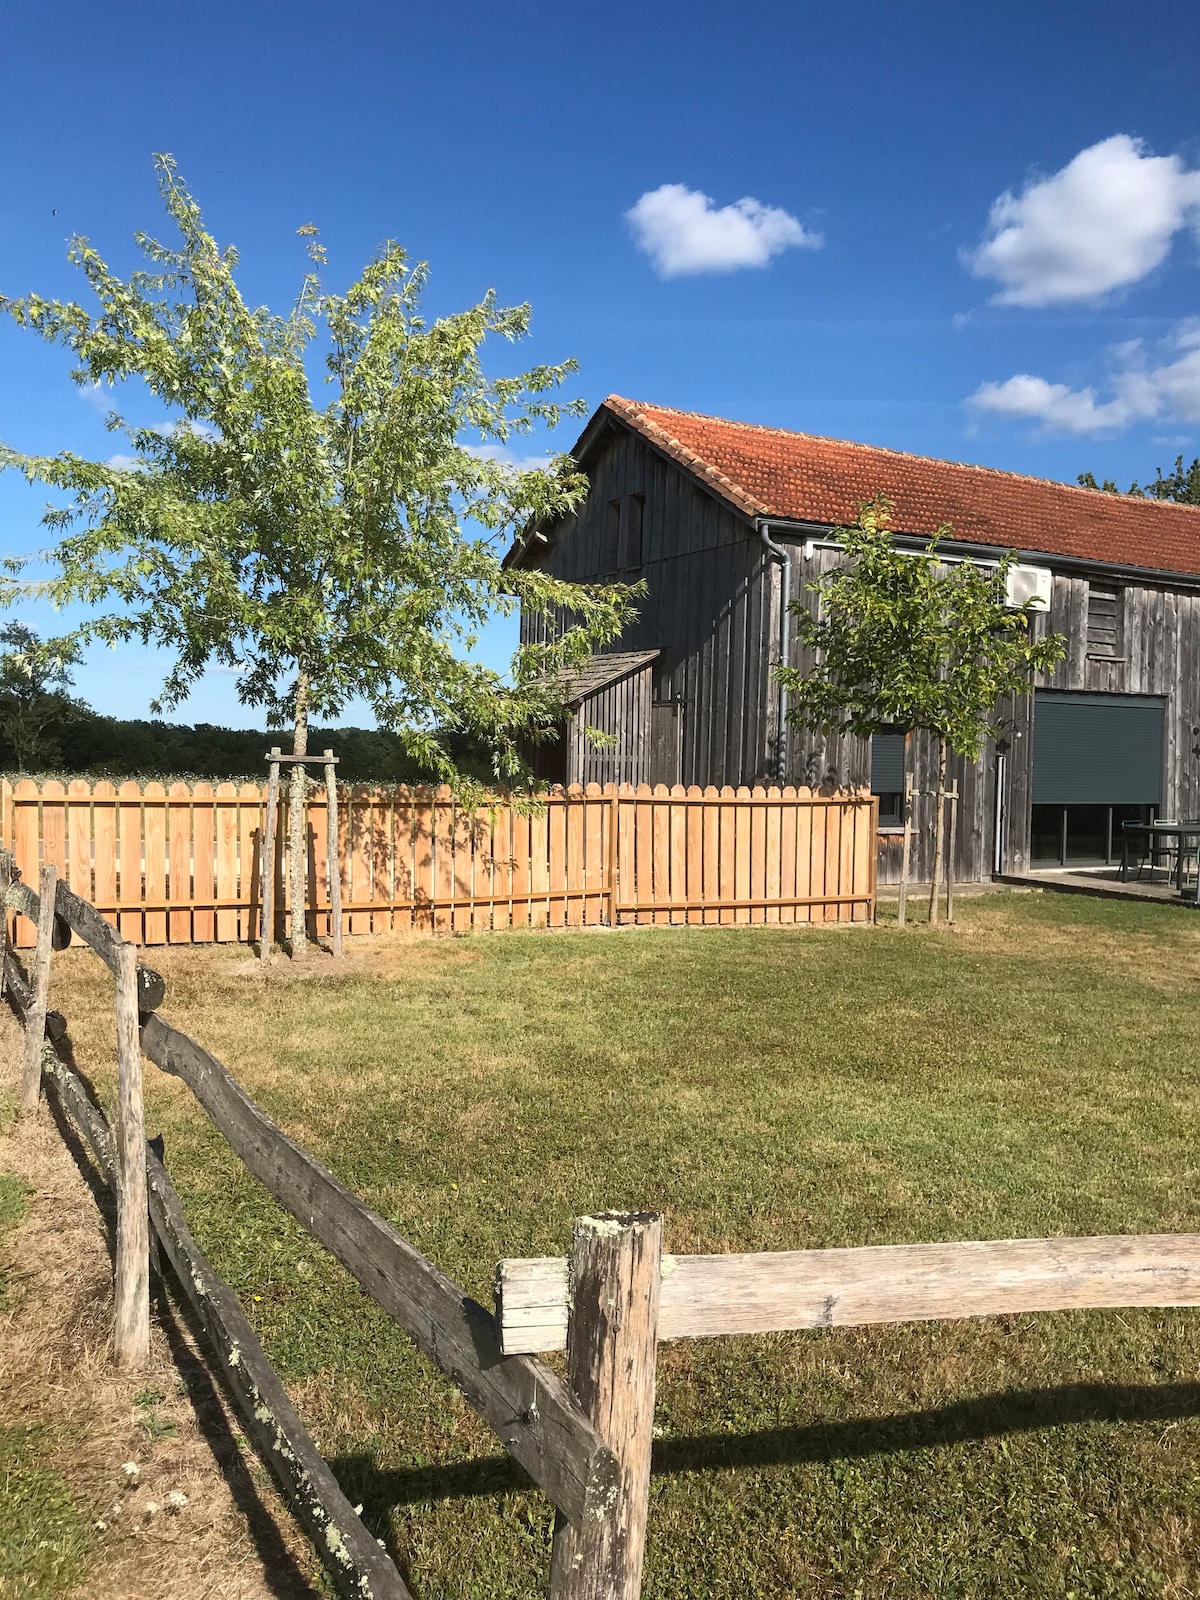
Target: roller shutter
column 887, row 763
column 1097, row 749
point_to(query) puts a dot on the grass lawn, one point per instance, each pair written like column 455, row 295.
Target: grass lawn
column 1036, row 1071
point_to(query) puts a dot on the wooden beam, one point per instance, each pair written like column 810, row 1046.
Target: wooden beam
column 131, row 1308
column 302, row 761
column 530, row 1407
column 35, row 1016
column 359, row 1567
column 616, row 1269
column 704, row 1296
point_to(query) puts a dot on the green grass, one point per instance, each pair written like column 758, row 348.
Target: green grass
column 42, row 1536
column 1036, row 1071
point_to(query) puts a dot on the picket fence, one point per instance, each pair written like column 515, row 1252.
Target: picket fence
column 182, row 865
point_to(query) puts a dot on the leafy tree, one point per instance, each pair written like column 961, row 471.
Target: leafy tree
column 324, row 550
column 35, row 676
column 1181, row 485
column 903, row 641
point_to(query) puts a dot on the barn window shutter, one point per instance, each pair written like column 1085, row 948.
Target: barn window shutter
column 1103, row 620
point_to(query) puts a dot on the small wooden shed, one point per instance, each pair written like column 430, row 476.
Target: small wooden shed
column 615, row 733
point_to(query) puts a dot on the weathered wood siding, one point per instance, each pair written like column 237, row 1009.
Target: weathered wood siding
column 622, row 711
column 713, row 608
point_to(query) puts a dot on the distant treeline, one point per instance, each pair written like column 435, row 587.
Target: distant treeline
column 110, row 747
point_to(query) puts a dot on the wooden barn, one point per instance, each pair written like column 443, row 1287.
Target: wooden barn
column 726, row 522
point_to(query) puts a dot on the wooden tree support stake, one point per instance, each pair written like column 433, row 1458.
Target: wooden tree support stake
column 335, row 866
column 131, row 1327
column 906, row 848
column 612, row 1347
column 35, row 1017
column 952, row 797
column 266, row 931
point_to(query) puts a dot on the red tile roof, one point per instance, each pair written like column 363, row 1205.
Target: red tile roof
column 768, row 472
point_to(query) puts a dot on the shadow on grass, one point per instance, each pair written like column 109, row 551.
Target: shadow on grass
column 987, row 1417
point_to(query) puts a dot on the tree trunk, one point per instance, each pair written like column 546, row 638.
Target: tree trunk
column 297, row 831
column 939, row 820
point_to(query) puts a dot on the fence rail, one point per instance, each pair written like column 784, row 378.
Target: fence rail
column 537, row 1416
column 184, row 865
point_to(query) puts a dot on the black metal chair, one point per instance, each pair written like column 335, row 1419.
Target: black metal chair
column 1136, row 834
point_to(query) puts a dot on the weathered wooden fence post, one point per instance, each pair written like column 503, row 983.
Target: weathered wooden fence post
column 131, row 1323
column 5, row 880
column 266, row 932
column 612, row 1351
column 35, row 1017
column 614, row 854
column 335, row 865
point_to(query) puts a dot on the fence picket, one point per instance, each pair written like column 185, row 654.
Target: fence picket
column 104, row 848
column 249, row 890
column 154, row 845
column 204, row 888
column 179, row 862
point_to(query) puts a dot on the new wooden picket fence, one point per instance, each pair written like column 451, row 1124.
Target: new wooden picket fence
column 586, row 1440
column 182, row 865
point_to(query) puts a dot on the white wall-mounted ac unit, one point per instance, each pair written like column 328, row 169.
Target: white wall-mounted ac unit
column 1029, row 583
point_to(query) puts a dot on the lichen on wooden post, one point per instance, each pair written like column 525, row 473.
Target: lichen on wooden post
column 612, row 1347
column 35, row 1017
column 131, row 1320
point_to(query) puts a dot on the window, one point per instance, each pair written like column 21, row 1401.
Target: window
column 610, row 554
column 635, row 514
column 1103, row 620
column 887, row 777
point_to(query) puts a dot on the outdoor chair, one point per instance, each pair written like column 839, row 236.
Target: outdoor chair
column 1135, row 837
column 1164, row 848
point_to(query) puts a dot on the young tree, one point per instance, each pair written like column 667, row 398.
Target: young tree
column 35, row 706
column 903, row 641
column 323, row 551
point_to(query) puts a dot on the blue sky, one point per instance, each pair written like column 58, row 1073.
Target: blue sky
column 966, row 231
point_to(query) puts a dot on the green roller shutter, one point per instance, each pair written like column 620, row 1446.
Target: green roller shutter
column 887, row 763
column 1097, row 749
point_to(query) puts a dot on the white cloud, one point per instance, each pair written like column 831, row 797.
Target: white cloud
column 1143, row 387
column 124, row 463
column 1104, row 221
column 683, row 232
column 504, row 457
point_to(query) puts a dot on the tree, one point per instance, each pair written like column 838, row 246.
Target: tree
column 1181, row 485
column 35, row 676
column 901, row 640
column 321, row 551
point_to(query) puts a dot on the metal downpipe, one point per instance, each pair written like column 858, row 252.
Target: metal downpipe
column 781, row 554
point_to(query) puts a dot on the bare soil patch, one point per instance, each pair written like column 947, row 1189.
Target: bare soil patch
column 169, row 1499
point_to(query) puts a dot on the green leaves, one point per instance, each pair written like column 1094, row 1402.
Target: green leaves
column 330, row 543
column 903, row 640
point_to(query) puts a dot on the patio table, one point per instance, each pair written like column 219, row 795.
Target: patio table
column 1179, row 831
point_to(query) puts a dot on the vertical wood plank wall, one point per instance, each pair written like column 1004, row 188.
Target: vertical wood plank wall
column 182, row 867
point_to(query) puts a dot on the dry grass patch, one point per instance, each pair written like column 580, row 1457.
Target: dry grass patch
column 110, row 1485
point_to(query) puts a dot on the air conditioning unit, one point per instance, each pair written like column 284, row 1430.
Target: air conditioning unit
column 1025, row 584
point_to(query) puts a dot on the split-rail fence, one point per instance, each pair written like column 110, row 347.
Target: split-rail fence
column 183, row 864
column 586, row 1440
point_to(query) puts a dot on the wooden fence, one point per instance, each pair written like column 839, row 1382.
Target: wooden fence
column 183, row 865
column 586, row 1440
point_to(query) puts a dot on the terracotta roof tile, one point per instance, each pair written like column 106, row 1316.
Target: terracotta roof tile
column 801, row 477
